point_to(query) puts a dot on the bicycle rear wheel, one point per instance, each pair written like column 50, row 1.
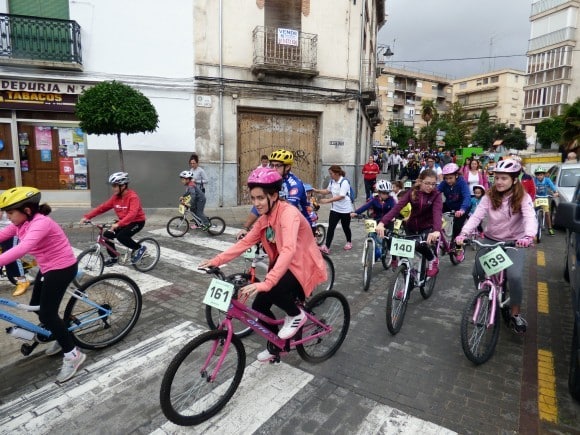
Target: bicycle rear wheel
column 320, row 234
column 330, row 308
column 150, row 257
column 368, row 259
column 217, row 226
column 193, row 391
column 178, row 226
column 93, row 328
column 214, row 317
column 478, row 337
column 397, row 301
column 329, row 283
column 91, row 264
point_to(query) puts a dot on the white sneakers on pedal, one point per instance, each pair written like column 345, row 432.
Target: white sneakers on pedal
column 265, row 356
column 70, row 365
column 291, row 325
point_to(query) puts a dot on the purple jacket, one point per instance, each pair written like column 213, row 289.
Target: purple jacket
column 426, row 211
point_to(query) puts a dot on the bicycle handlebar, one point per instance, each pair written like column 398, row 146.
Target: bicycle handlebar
column 508, row 244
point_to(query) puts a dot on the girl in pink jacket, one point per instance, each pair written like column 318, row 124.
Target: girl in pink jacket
column 296, row 264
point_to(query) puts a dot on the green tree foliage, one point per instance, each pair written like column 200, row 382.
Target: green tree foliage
column 550, row 131
column 400, row 134
column 515, row 139
column 453, row 122
column 115, row 108
column 483, row 135
column 571, row 131
column 430, row 115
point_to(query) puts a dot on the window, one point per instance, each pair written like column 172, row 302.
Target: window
column 478, row 83
column 485, row 81
column 462, row 85
column 494, row 79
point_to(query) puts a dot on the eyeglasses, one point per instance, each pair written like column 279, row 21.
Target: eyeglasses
column 276, row 165
column 429, row 184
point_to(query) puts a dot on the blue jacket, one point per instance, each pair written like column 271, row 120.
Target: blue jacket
column 380, row 208
column 545, row 187
column 457, row 197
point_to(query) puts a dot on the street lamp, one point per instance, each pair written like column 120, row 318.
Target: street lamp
column 384, row 50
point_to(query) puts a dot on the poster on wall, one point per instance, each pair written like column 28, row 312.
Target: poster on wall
column 65, row 141
column 80, row 165
column 43, row 137
column 80, row 181
column 23, row 139
column 66, row 166
column 66, row 181
column 45, row 155
column 79, row 141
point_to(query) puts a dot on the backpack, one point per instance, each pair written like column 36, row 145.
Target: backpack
column 351, row 193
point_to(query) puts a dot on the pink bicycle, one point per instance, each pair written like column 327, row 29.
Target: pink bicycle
column 205, row 374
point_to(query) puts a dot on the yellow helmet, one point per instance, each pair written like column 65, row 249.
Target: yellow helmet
column 17, row 197
column 283, row 156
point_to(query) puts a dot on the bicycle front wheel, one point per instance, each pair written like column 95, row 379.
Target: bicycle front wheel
column 329, row 283
column 368, row 259
column 217, row 226
column 397, row 301
column 386, row 257
column 331, row 309
column 215, row 317
column 178, row 226
column 118, row 306
column 540, row 219
column 196, row 385
column 320, row 234
column 91, row 263
column 150, row 257
column 478, row 336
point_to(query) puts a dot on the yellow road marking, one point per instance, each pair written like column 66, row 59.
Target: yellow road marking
column 547, row 402
column 540, row 258
column 543, row 301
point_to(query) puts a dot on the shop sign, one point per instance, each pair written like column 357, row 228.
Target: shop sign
column 39, row 95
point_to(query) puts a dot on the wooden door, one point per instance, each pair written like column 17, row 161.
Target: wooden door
column 41, row 173
column 7, row 179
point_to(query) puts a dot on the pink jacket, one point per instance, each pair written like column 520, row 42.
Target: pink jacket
column 297, row 249
column 44, row 239
column 482, row 177
column 501, row 224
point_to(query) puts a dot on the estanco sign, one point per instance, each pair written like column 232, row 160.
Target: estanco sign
column 37, row 95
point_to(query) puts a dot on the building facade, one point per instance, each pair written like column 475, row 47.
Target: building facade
column 401, row 92
column 553, row 70
column 499, row 92
column 294, row 74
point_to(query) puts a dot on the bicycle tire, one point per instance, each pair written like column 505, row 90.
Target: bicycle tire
column 91, row 263
column 330, row 308
column 386, row 257
column 428, row 286
column 114, row 291
column 214, row 317
column 477, row 341
column 151, row 256
column 178, row 226
column 320, row 234
column 217, row 226
column 368, row 259
column 187, row 396
column 396, row 307
column 329, row 283
column 540, row 219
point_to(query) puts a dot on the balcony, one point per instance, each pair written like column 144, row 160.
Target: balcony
column 545, row 5
column 274, row 54
column 40, row 42
column 368, row 80
column 372, row 108
column 552, row 38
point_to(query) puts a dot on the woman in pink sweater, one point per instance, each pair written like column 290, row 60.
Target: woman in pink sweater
column 43, row 238
column 296, row 264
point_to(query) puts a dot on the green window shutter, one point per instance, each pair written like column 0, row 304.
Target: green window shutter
column 47, row 40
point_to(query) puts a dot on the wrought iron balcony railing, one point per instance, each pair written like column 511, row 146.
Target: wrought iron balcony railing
column 49, row 42
column 278, row 52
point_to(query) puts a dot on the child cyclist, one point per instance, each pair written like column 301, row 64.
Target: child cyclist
column 545, row 187
column 425, row 218
column 127, row 206
column 43, row 238
column 296, row 264
column 193, row 197
column 510, row 216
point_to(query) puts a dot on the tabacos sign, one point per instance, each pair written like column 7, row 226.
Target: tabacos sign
column 44, row 96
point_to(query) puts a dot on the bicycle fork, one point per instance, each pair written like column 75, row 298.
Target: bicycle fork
column 213, row 351
column 491, row 296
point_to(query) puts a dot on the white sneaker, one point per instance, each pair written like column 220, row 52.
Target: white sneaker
column 265, row 356
column 70, row 366
column 292, row 325
column 54, row 348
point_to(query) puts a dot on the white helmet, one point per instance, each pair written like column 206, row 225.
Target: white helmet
column 384, row 186
column 185, row 174
column 119, row 178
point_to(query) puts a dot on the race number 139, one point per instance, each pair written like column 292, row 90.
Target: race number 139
column 495, row 261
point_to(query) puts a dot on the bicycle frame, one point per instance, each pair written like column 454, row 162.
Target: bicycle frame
column 101, row 243
column 413, row 272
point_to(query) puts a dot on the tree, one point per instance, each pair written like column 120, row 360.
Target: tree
column 571, row 130
column 515, row 139
column 483, row 135
column 453, row 123
column 115, row 108
column 428, row 114
column 400, row 133
column 550, row 131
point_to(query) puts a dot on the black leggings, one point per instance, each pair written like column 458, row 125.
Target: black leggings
column 49, row 289
column 124, row 235
column 333, row 219
column 283, row 295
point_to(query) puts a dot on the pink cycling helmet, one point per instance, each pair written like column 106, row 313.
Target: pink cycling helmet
column 508, row 166
column 264, row 177
column 450, row 168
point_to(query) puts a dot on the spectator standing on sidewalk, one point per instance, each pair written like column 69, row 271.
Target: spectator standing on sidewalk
column 370, row 171
column 199, row 175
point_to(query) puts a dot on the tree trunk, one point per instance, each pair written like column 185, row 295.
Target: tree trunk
column 120, row 152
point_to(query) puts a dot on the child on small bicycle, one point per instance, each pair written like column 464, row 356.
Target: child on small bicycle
column 510, row 216
column 425, row 217
column 478, row 192
column 193, row 198
column 545, row 187
column 14, row 270
column 296, row 264
column 131, row 217
column 43, row 238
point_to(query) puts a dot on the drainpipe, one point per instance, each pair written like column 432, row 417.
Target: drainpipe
column 221, row 109
column 358, row 107
column 16, row 150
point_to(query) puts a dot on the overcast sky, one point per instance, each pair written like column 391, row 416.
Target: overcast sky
column 451, row 29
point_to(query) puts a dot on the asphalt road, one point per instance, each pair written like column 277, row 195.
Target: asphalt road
column 418, row 381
